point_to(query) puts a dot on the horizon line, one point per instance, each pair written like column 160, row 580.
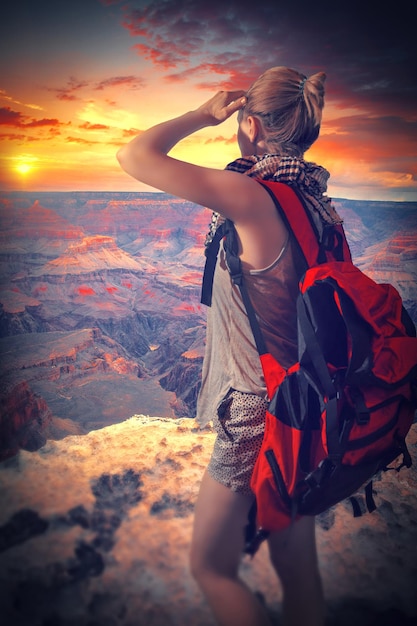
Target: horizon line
column 156, row 191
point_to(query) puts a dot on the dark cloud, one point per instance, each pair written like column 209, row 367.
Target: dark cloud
column 384, row 144
column 368, row 53
column 376, row 134
column 8, row 117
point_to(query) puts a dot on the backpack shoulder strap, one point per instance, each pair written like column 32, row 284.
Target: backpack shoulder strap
column 211, row 253
column 328, row 244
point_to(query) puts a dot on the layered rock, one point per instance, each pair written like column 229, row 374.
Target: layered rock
column 25, row 419
column 58, row 383
column 90, row 255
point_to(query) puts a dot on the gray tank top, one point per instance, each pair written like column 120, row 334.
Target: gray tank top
column 231, row 360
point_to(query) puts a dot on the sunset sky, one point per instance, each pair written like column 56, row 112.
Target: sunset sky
column 80, row 77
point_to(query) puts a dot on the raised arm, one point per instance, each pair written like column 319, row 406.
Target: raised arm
column 146, row 159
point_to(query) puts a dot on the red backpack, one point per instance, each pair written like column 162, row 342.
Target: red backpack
column 341, row 413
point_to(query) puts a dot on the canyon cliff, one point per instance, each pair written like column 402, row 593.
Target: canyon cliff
column 99, row 304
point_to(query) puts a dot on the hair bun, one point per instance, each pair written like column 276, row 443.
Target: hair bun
column 317, row 80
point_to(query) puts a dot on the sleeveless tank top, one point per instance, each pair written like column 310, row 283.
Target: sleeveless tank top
column 231, row 360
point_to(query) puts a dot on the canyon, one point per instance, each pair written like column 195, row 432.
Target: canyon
column 100, row 317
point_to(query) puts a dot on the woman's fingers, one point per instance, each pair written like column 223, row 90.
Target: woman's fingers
column 223, row 104
column 237, row 104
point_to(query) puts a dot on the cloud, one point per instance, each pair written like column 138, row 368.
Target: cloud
column 132, row 82
column 89, row 126
column 70, row 90
column 381, row 136
column 377, row 151
column 225, row 71
column 184, row 33
column 131, row 132
column 43, row 122
column 8, row 117
column 220, row 139
column 166, row 59
column 15, row 137
column 367, row 54
column 4, row 96
column 74, row 86
column 81, row 140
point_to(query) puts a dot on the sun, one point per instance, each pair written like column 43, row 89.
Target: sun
column 23, row 168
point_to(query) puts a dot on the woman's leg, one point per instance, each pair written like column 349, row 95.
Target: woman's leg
column 294, row 556
column 218, row 540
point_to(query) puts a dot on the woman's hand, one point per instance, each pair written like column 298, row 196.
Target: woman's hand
column 222, row 105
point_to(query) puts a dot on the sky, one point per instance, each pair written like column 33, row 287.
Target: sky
column 79, row 78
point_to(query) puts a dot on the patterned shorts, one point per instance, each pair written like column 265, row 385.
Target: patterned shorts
column 240, row 428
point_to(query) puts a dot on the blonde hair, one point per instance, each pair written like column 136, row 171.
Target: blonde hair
column 289, row 106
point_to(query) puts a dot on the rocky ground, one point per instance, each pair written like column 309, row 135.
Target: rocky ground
column 95, row 529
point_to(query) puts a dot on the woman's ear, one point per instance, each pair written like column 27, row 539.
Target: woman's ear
column 254, row 129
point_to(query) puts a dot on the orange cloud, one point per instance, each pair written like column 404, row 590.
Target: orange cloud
column 221, row 74
column 89, row 126
column 165, row 58
column 220, row 139
column 43, row 122
column 15, row 137
column 81, row 140
column 131, row 132
column 8, row 117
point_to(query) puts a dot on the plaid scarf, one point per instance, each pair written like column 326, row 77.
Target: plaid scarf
column 311, row 179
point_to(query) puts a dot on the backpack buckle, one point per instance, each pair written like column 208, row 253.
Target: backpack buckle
column 361, row 410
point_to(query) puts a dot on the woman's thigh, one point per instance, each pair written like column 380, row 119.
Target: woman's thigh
column 219, row 528
column 293, row 550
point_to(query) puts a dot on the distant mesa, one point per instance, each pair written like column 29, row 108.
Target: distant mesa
column 14, row 301
column 92, row 253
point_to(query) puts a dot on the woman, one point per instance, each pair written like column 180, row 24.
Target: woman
column 279, row 118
